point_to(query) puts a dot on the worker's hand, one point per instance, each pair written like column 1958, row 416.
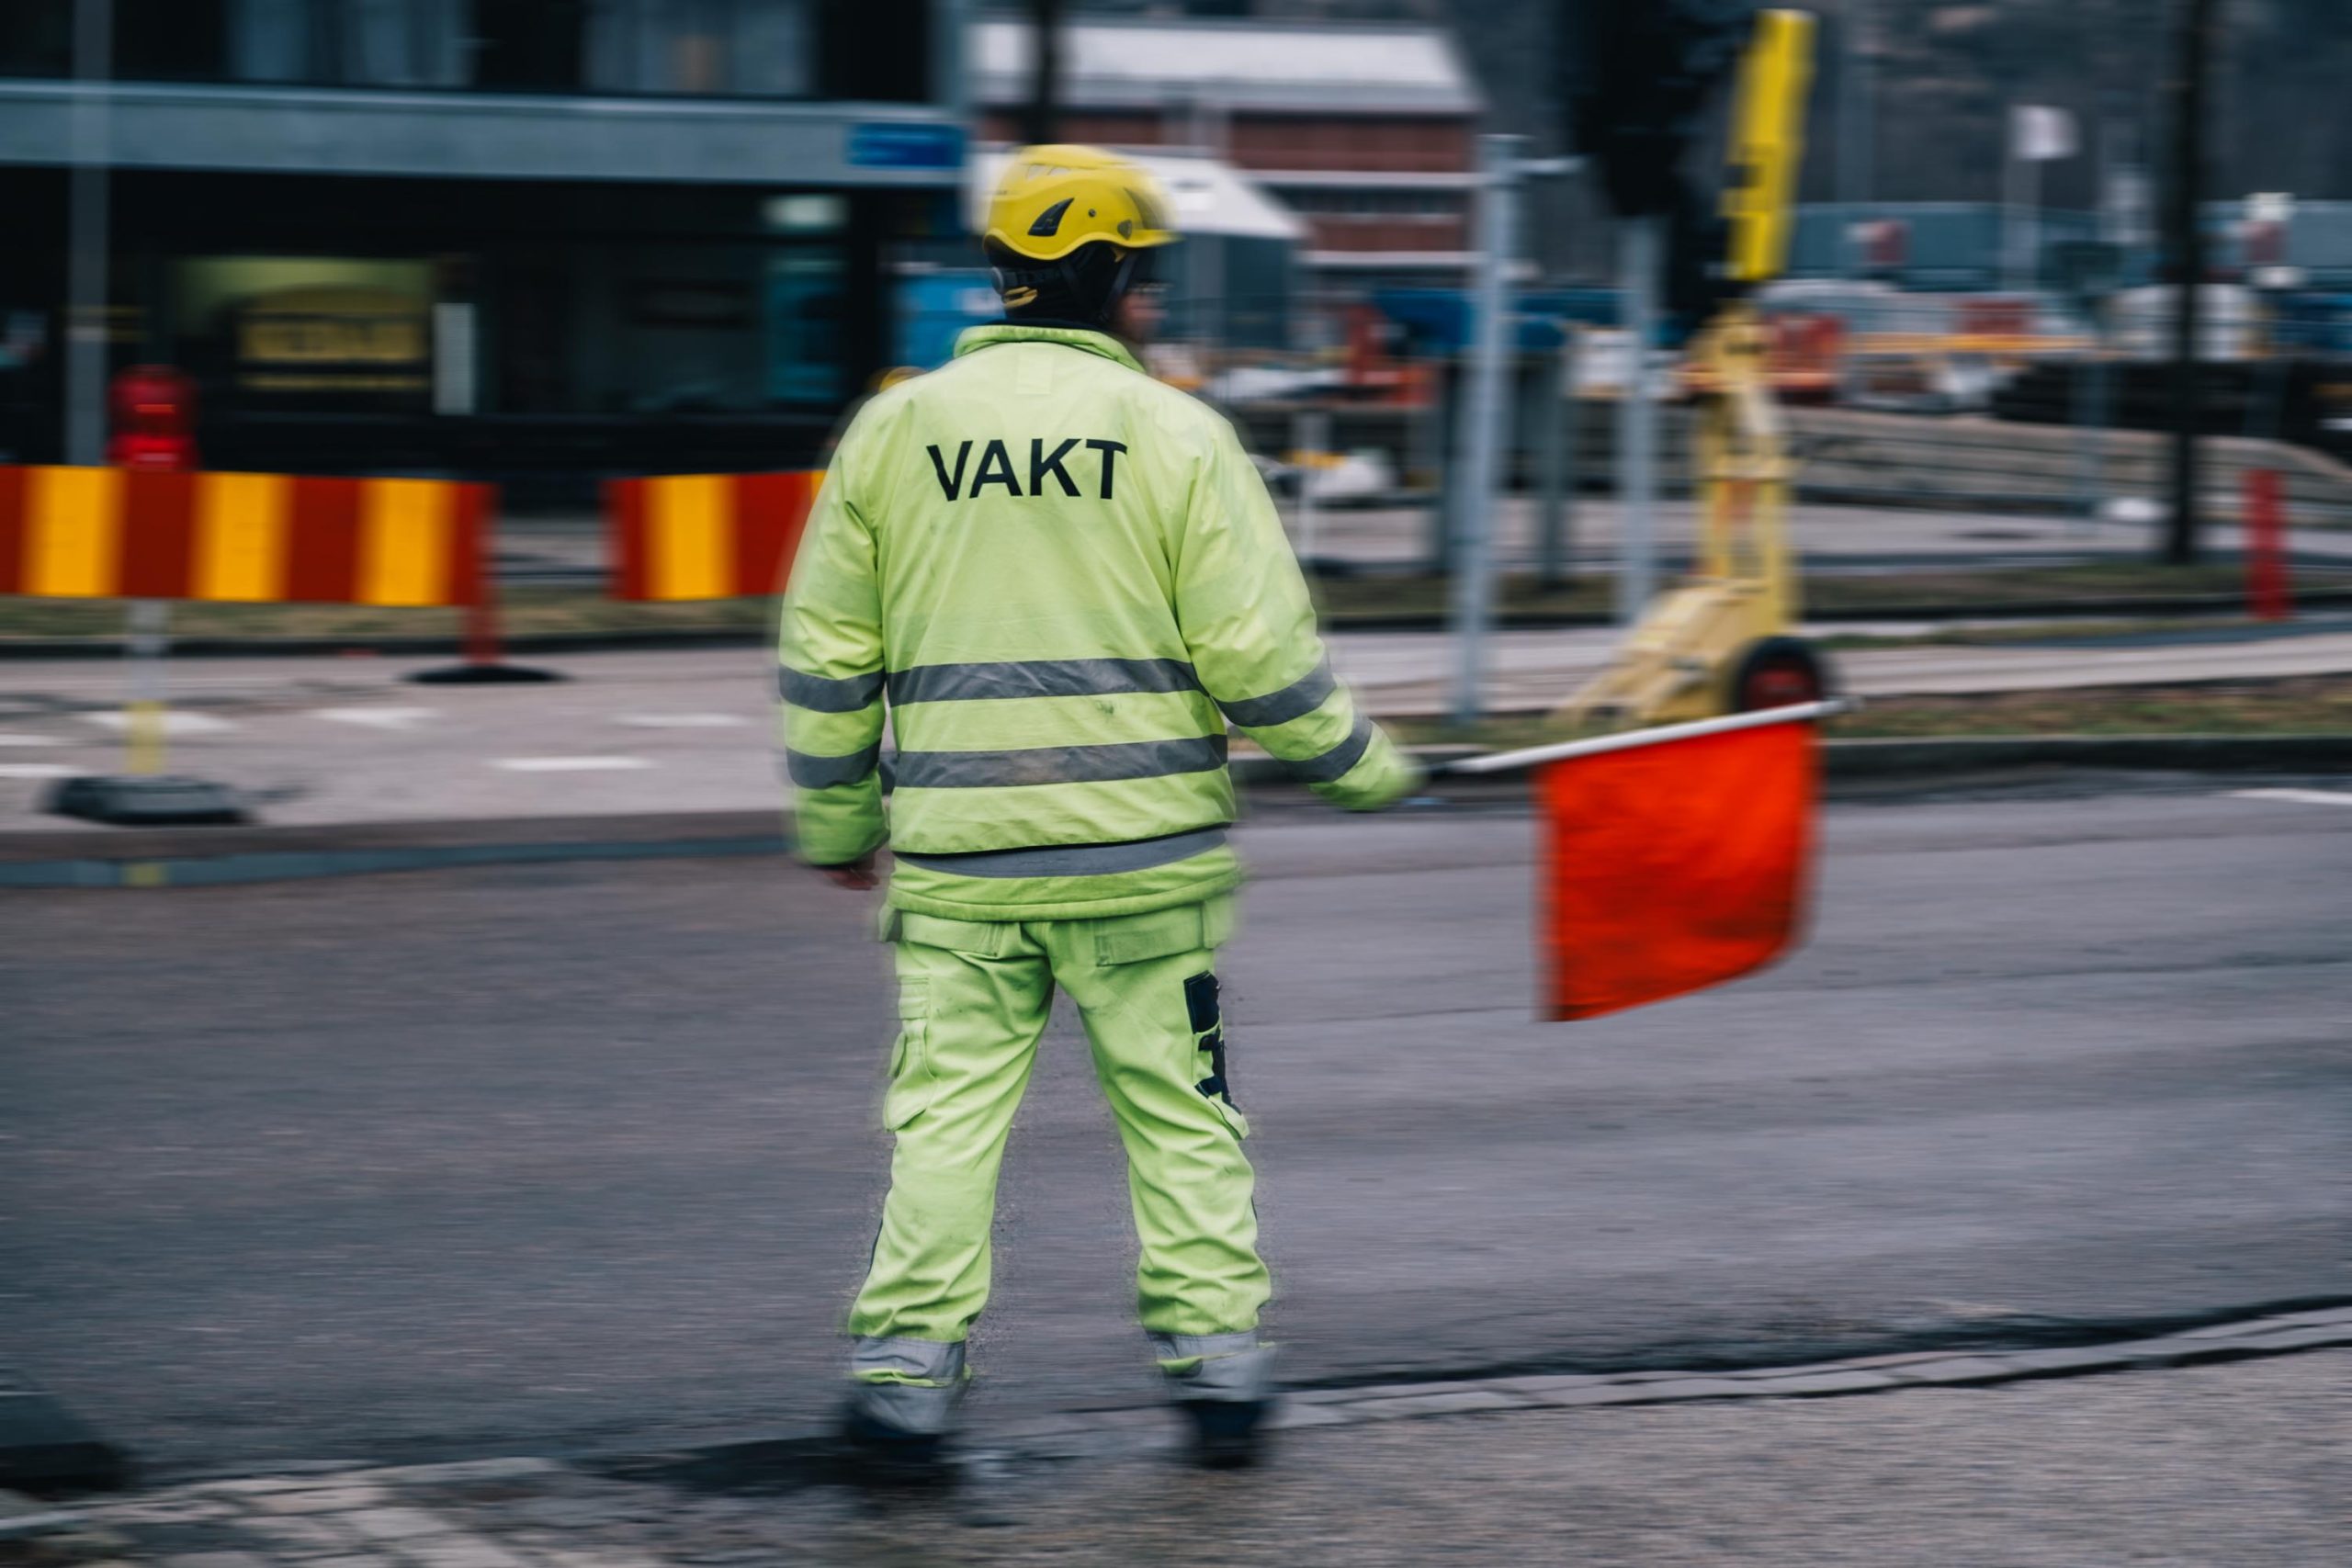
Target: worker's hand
column 857, row 875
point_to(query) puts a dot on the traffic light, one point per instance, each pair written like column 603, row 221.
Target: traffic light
column 1766, row 144
column 1639, row 76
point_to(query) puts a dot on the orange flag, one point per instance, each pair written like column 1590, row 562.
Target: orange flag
column 1672, row 866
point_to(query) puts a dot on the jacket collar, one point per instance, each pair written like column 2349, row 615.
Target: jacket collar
column 973, row 339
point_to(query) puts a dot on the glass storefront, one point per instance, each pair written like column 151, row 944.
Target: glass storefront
column 765, row 49
column 327, row 332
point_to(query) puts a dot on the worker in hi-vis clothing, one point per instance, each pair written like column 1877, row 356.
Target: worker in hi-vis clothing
column 1065, row 577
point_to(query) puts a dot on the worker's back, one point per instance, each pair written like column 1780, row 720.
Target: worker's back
column 1067, row 577
column 1023, row 514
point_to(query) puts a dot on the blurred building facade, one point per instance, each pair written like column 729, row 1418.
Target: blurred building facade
column 1367, row 131
column 521, row 239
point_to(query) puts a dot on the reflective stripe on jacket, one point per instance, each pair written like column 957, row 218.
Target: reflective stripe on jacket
column 1064, row 579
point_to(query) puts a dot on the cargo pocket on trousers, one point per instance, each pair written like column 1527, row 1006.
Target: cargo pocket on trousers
column 1205, row 1012
column 914, row 1086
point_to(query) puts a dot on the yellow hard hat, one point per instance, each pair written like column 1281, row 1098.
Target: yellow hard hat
column 1050, row 200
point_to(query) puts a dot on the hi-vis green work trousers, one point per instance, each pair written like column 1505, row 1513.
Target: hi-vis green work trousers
column 973, row 999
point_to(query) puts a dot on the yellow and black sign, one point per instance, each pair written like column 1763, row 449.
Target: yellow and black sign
column 1768, row 144
column 334, row 340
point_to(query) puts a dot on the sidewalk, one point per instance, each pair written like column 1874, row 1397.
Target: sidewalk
column 2246, row 1463
column 1832, row 540
column 326, row 740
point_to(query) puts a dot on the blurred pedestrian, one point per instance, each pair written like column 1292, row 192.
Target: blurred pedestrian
column 1066, row 577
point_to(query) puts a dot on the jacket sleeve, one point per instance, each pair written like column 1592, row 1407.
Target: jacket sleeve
column 829, row 673
column 1243, row 606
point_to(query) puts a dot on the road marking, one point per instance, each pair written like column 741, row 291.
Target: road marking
column 31, row 740
column 177, row 721
column 378, row 719
column 2308, row 796
column 569, row 765
column 684, row 720
column 38, row 771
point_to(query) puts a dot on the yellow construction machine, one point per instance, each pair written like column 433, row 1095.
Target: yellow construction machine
column 1724, row 642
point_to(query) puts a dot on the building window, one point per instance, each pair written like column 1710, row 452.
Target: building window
column 747, row 48
column 36, row 37
column 1357, row 203
column 528, row 45
column 353, row 43
column 153, row 40
column 170, row 40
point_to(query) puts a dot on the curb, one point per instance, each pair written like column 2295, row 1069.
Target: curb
column 1146, row 1429
column 388, row 647
column 1943, row 610
column 1960, row 756
column 801, row 1457
column 623, row 641
column 205, row 857
column 196, row 857
column 43, row 1444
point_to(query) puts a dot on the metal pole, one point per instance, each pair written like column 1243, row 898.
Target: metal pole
column 2184, row 249
column 1857, row 103
column 1039, row 113
column 1636, row 420
column 89, row 330
column 1209, row 274
column 1309, row 430
column 1658, row 735
column 1485, row 414
column 1433, row 429
column 2014, row 170
column 85, row 313
column 2090, row 414
column 1559, row 433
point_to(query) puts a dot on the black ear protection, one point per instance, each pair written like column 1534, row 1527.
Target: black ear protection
column 1086, row 284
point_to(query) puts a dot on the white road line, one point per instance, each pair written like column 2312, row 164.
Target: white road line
column 684, row 720
column 177, row 721
column 39, row 771
column 31, row 740
column 2308, row 796
column 378, row 719
column 569, row 765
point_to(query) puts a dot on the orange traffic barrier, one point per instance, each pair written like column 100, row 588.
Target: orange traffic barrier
column 706, row 536
column 78, row 532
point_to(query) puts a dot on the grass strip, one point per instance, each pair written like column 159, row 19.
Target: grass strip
column 2319, row 704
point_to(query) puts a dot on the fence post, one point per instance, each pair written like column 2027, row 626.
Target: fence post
column 1310, row 432
column 1557, row 409
column 2267, row 594
column 481, row 665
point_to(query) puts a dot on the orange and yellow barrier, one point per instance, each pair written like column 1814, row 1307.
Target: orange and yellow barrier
column 78, row 532
column 706, row 536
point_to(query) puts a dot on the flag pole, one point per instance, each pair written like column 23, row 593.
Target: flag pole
column 1594, row 746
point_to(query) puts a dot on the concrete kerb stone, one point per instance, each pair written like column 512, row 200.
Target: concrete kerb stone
column 394, row 1512
column 2272, row 1334
column 656, row 640
column 1950, row 756
column 1959, row 1369
column 159, row 858
column 1818, row 1384
column 44, row 1444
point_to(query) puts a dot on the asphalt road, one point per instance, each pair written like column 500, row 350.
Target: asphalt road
column 577, row 1157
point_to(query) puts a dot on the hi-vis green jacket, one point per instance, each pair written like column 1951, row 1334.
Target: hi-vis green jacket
column 1066, row 577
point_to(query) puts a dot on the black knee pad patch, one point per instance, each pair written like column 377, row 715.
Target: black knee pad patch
column 1208, row 1032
